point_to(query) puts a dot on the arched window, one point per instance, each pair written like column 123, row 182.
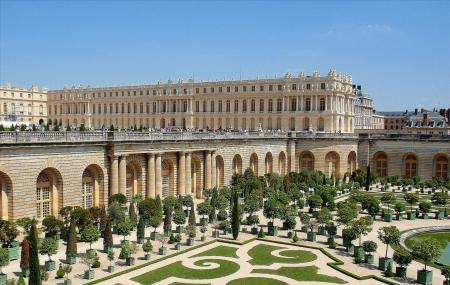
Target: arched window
column 237, row 164
column 351, row 162
column 220, row 168
column 282, row 163
column 268, row 163
column 87, row 189
column 381, row 164
column 410, row 166
column 306, row 161
column 332, row 165
column 441, row 167
column 254, row 163
column 43, row 198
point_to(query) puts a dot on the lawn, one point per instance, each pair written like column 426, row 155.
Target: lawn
column 306, row 273
column 256, row 281
column 261, row 255
column 221, row 250
column 176, row 269
column 443, row 238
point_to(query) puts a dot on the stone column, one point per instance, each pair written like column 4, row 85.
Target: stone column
column 213, row 170
column 114, row 175
column 158, row 177
column 188, row 173
column 182, row 174
column 291, row 158
column 123, row 175
column 150, row 176
column 207, row 170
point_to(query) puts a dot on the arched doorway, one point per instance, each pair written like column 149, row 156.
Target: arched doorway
column 321, row 125
column 237, row 164
column 92, row 191
column 351, row 162
column 5, row 196
column 196, row 177
column 282, row 163
column 306, row 161
column 49, row 193
column 268, row 163
column 167, row 179
column 332, row 165
column 410, row 165
column 254, row 163
column 219, row 171
column 134, row 180
column 441, row 166
column 381, row 166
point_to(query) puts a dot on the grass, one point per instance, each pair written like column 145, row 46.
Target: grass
column 306, row 273
column 443, row 238
column 256, row 281
column 178, row 283
column 221, row 250
column 261, row 255
column 178, row 270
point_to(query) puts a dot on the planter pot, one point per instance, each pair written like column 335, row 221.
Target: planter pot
column 26, row 272
column 215, row 234
column 147, row 256
column 203, row 238
column 290, row 235
column 89, row 274
column 349, row 247
column 68, row 282
column 439, row 215
column 204, row 221
column 398, row 217
column 71, row 259
column 154, row 235
column 368, row 258
column 254, row 231
column 140, row 240
column 311, row 236
column 111, row 268
column 400, row 272
column 50, row 265
column 272, row 230
column 107, row 249
column 358, row 251
column 167, row 232
column 162, row 251
column 13, row 251
column 383, row 263
column 190, row 241
column 387, row 218
column 178, row 246
column 304, row 229
column 3, row 279
column 411, row 216
column 321, row 231
column 130, row 261
column 424, row 277
column 180, row 229
column 425, row 216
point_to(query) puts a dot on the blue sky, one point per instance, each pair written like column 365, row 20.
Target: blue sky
column 399, row 51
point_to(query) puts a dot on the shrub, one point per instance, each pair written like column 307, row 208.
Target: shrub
column 60, row 272
column 261, row 233
column 147, row 246
column 295, row 237
column 402, row 257
column 388, row 271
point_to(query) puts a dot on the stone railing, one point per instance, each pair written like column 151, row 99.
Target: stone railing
column 401, row 136
column 406, row 235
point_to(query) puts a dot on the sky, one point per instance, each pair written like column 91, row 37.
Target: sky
column 399, row 51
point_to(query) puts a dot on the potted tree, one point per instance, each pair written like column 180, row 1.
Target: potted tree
column 361, row 227
column 49, row 246
column 425, row 208
column 8, row 234
column 369, row 247
column 130, row 249
column 253, row 203
column 179, row 218
column 399, row 208
column 25, row 258
column 272, row 210
column 253, row 220
column 71, row 249
column 411, row 199
column 389, row 236
column 323, row 217
column 140, row 234
column 111, row 255
column 52, row 227
column 311, row 235
column 124, row 228
column 191, row 232
column 225, row 226
column 88, row 259
column 427, row 250
column 331, row 229
column 304, row 219
column 445, row 271
column 387, row 199
column 314, row 202
column 403, row 258
column 4, row 261
column 67, row 269
column 348, row 236
column 155, row 221
column 290, row 223
column 177, row 241
column 203, row 230
column 163, row 239
column 203, row 209
column 216, row 227
column 147, row 247
column 90, row 233
column 440, row 199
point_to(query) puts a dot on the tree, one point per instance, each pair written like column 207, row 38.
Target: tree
column 445, row 271
column 399, row 207
column 191, row 220
column 4, row 258
column 51, row 226
column 8, row 232
column 147, row 246
column 402, row 257
column 107, row 235
column 140, row 229
column 25, row 255
column 119, row 198
column 331, row 230
column 235, row 215
column 124, row 228
column 314, row 201
column 369, row 246
column 168, row 219
column 323, row 216
column 132, row 214
column 88, row 259
column 35, row 271
column 388, row 198
column 305, row 219
column 71, row 249
column 90, row 233
column 103, row 219
column 389, row 235
column 362, row 226
column 411, row 199
column 272, row 209
column 440, row 198
column 424, row 207
column 346, row 213
column 49, row 246
column 428, row 250
column 203, row 209
column 179, row 217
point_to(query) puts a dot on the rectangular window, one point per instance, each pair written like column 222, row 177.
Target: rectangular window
column 293, row 104
column 236, row 106
column 154, row 92
column 244, row 106
column 308, row 105
column 261, row 105
column 270, row 107
column 197, row 90
column 197, row 106
column 236, row 89
column 279, row 105
column 228, row 89
column 204, row 90
column 212, row 89
column 294, row 86
column 253, row 88
column 308, row 86
column 228, row 106
column 322, row 86
column 220, row 106
column 280, row 87
column 220, row 89
column 270, row 87
column 261, row 88
column 244, row 89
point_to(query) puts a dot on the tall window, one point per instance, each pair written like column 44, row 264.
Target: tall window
column 308, row 104
column 42, row 196
column 244, row 106
column 204, row 106
column 236, row 106
column 228, row 106
column 212, row 107
column 185, row 106
column 261, row 105
column 87, row 190
column 197, row 106
column 252, row 106
column 381, row 165
column 306, row 161
column 410, row 166
column 220, row 106
column 441, row 167
column 270, row 107
column 293, row 104
column 279, row 105
column 322, row 104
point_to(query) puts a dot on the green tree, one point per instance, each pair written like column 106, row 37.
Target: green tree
column 389, row 235
column 368, row 178
column 71, row 249
column 273, row 209
column 323, row 216
column 51, row 226
column 179, row 217
column 119, row 198
column 411, row 199
column 90, row 233
column 49, row 246
column 88, row 259
column 203, row 209
column 425, row 207
column 346, row 213
column 8, row 232
column 4, row 258
column 191, row 220
column 140, row 229
column 445, row 271
column 427, row 250
column 132, row 214
column 402, row 257
column 107, row 235
column 147, row 246
column 440, row 198
column 362, row 227
column 124, row 228
column 369, row 246
column 387, row 199
column 35, row 271
column 116, row 213
column 235, row 216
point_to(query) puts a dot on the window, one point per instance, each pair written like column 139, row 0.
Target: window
column 279, row 105
column 261, row 105
column 381, row 164
column 270, row 107
column 87, row 190
column 185, row 106
column 154, row 107
column 308, row 86
column 228, row 106
column 174, row 91
column 154, row 92
column 141, row 108
column 212, row 89
column 197, row 90
column 410, row 166
column 220, row 89
column 228, row 89
column 261, row 88
column 270, row 88
column 174, row 106
column 236, row 106
column 293, row 104
column 252, row 106
column 212, row 107
column 147, row 108
column 220, row 106
column 308, row 104
column 322, row 104
column 253, row 88
column 42, row 196
column 164, row 91
column 204, row 106
column 204, row 90
column 244, row 106
column 294, row 86
column 236, row 89
column 244, row 88
column 307, row 161
column 197, row 106
column 280, row 87
column 441, row 168
column 322, row 86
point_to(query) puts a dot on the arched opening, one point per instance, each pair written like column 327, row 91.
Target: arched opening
column 268, row 163
column 410, row 165
column 237, row 164
column 282, row 163
column 5, row 196
column 306, row 124
column 321, row 125
column 220, row 171
column 351, row 162
column 162, row 123
column 332, row 165
column 92, row 191
column 441, row 166
column 183, row 123
column 269, row 124
column 278, row 123
column 196, row 176
column 380, row 161
column 306, row 161
column 134, row 180
column 167, row 178
column 49, row 193
column 292, row 124
column 254, row 163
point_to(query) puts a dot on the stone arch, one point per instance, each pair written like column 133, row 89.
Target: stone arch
column 268, row 163
column 306, row 161
column 133, row 180
column 167, row 178
column 380, row 163
column 282, row 163
column 351, row 162
column 254, row 163
column 237, row 164
column 49, row 193
column 220, row 171
column 92, row 186
column 440, row 166
column 6, row 202
column 332, row 165
column 196, row 177
column 410, row 165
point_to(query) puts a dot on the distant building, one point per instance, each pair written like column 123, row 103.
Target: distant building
column 365, row 116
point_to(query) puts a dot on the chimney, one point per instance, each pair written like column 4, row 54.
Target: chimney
column 425, row 120
column 415, row 111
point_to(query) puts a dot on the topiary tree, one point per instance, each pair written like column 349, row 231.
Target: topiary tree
column 191, row 220
column 389, row 236
column 51, row 226
column 140, row 234
column 49, row 246
column 71, row 249
column 107, row 236
column 179, row 218
column 118, row 198
column 272, row 209
column 346, row 213
column 411, row 199
column 124, row 228
column 369, row 246
column 35, row 271
column 387, row 199
column 402, row 257
column 362, row 227
column 4, row 258
column 90, row 233
column 425, row 207
column 147, row 246
column 88, row 259
column 132, row 214
column 314, row 201
column 235, row 216
column 102, row 219
column 203, row 209
column 427, row 250
column 25, row 257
